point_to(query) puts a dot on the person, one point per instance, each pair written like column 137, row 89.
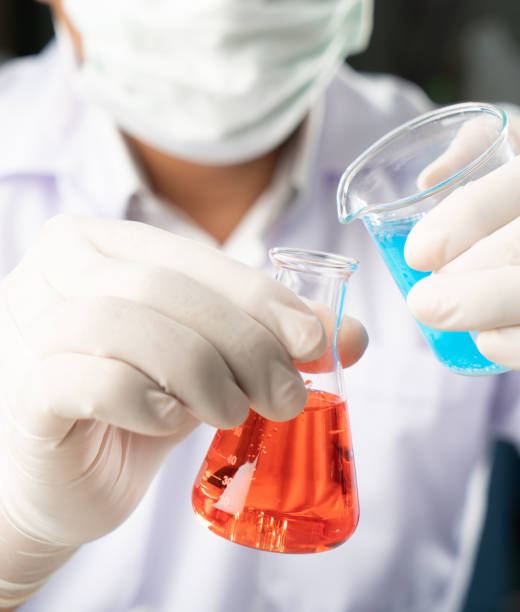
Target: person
column 148, row 162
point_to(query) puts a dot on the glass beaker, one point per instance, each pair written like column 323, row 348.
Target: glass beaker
column 290, row 487
column 383, row 187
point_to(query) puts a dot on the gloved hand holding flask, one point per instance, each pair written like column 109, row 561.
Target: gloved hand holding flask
column 117, row 340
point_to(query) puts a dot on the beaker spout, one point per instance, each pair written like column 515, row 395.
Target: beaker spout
column 350, row 205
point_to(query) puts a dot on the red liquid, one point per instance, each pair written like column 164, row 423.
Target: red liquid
column 284, row 487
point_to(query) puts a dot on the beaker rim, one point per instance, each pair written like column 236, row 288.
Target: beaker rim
column 446, row 111
column 312, row 261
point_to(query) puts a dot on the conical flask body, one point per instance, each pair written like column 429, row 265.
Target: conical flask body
column 289, row 486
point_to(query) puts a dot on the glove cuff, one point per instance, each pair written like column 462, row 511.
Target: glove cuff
column 26, row 563
column 13, row 595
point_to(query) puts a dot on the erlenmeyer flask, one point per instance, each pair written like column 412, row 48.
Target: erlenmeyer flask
column 290, row 487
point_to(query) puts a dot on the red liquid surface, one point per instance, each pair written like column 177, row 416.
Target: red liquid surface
column 284, row 487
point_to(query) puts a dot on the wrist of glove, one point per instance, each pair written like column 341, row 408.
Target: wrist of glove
column 26, row 563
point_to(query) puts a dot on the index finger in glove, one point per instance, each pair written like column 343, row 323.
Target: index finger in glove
column 258, row 362
column 468, row 214
column 501, row 248
column 474, row 300
column 268, row 302
column 65, row 387
column 184, row 366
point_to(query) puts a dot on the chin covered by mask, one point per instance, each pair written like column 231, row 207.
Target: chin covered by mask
column 213, row 81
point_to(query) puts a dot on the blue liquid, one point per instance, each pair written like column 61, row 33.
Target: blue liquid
column 455, row 350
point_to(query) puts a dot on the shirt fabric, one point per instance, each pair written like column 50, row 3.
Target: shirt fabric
column 421, row 434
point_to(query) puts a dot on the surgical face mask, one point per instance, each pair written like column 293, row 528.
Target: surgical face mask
column 213, row 81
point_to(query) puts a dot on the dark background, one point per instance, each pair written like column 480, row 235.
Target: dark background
column 455, row 50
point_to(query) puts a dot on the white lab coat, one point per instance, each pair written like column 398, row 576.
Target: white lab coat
column 421, row 434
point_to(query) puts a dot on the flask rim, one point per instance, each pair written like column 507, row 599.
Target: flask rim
column 313, row 262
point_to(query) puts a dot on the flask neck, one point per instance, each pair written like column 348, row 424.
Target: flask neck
column 314, row 275
column 320, row 279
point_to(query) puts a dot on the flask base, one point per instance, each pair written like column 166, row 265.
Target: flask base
column 277, row 532
column 282, row 486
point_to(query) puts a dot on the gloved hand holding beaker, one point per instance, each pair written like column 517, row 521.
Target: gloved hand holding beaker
column 397, row 182
column 472, row 241
column 117, row 340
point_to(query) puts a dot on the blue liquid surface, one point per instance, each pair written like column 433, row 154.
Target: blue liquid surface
column 455, row 350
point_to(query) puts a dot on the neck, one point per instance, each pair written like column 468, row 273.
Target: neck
column 215, row 197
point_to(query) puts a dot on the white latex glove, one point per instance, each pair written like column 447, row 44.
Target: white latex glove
column 117, row 340
column 471, row 241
